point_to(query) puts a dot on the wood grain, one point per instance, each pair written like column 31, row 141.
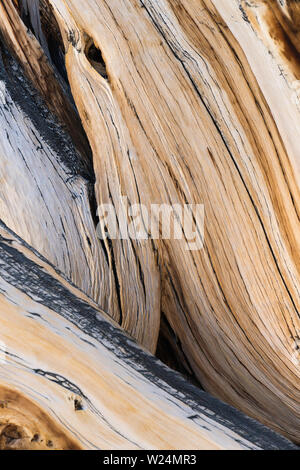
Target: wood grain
column 44, row 195
column 182, row 102
column 182, row 118
column 36, row 61
column 71, row 379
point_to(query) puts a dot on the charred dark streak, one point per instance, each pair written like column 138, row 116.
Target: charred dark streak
column 60, row 380
column 33, row 314
column 244, row 14
column 194, row 417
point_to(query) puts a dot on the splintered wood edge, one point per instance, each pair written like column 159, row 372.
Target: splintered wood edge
column 115, row 374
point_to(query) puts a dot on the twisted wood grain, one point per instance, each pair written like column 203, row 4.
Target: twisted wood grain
column 183, row 119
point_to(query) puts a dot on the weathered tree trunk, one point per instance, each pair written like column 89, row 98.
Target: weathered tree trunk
column 183, row 102
column 73, row 380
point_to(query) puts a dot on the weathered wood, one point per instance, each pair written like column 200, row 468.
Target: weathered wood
column 45, row 196
column 182, row 119
column 35, row 62
column 70, row 379
column 183, row 102
column 31, row 9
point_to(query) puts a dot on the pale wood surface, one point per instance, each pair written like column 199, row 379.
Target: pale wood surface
column 70, row 379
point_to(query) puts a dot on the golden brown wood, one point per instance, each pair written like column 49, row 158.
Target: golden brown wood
column 181, row 118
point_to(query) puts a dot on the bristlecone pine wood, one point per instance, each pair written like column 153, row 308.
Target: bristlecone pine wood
column 163, row 102
column 73, row 380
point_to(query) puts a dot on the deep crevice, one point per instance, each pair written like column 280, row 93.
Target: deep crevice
column 54, row 39
column 94, row 56
column 169, row 351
